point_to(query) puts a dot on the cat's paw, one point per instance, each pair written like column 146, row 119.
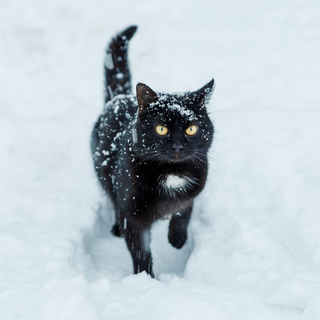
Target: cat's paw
column 178, row 239
column 116, row 230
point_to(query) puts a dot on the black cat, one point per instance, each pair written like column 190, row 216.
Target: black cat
column 150, row 154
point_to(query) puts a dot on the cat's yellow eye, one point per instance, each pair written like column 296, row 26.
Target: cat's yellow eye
column 192, row 130
column 161, row 130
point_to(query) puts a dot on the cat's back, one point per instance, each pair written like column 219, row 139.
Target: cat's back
column 116, row 119
column 119, row 113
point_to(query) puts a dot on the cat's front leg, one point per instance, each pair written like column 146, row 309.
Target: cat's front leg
column 178, row 227
column 116, row 230
column 138, row 243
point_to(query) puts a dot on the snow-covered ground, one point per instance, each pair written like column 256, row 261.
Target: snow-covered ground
column 254, row 245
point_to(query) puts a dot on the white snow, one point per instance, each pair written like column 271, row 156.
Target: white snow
column 189, row 114
column 253, row 250
column 108, row 61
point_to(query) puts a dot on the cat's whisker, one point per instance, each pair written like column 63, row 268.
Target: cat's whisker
column 216, row 171
column 199, row 165
column 222, row 165
column 216, row 160
column 148, row 158
column 219, row 162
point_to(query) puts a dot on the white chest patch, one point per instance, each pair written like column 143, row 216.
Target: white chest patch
column 173, row 185
column 174, row 182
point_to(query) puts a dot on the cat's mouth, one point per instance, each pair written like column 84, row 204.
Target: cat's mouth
column 177, row 158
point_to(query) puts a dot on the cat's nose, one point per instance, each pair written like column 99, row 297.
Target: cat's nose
column 177, row 146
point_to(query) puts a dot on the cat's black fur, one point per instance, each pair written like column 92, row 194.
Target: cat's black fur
column 149, row 176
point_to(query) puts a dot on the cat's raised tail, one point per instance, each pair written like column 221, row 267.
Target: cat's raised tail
column 117, row 74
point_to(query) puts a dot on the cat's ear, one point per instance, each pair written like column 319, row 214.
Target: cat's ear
column 145, row 96
column 204, row 94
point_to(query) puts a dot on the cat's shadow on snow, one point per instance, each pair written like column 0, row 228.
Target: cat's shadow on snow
column 110, row 257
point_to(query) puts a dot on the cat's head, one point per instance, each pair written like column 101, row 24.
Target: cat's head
column 173, row 127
